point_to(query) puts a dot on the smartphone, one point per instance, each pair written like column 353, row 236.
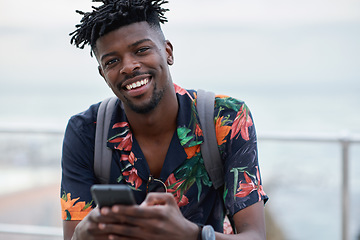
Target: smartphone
column 107, row 195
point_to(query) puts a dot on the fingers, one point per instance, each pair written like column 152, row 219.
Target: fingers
column 154, row 198
column 117, row 231
column 156, row 216
column 148, row 209
column 157, row 207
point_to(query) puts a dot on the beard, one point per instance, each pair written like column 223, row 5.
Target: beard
column 156, row 97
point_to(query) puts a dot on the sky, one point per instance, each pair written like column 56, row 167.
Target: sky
column 61, row 13
column 258, row 47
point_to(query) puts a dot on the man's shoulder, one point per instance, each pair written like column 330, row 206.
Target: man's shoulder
column 224, row 102
column 85, row 118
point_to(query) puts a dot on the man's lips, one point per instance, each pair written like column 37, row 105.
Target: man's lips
column 136, row 82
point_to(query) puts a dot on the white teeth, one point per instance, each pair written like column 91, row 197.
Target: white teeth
column 137, row 84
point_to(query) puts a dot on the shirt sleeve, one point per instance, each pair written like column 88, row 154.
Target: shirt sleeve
column 238, row 147
column 77, row 166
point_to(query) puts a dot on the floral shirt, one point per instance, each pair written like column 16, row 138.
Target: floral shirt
column 183, row 171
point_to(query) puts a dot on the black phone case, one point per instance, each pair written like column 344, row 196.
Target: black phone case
column 109, row 195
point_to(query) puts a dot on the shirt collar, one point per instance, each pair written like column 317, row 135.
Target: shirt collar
column 188, row 125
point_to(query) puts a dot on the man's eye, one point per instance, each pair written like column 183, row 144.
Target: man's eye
column 143, row 49
column 112, row 61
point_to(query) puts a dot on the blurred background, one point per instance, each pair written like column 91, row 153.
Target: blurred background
column 295, row 63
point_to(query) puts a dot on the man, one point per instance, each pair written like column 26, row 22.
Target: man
column 156, row 137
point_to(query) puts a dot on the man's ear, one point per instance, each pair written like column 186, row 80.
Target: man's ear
column 169, row 51
column 101, row 72
column 102, row 75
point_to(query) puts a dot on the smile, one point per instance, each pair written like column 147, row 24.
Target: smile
column 137, row 84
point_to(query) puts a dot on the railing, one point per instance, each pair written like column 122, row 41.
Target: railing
column 30, row 230
column 344, row 139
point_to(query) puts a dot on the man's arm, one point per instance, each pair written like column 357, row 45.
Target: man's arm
column 69, row 228
column 249, row 223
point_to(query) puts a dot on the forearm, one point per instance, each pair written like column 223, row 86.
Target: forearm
column 249, row 223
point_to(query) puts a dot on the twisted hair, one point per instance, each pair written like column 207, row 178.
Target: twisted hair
column 114, row 14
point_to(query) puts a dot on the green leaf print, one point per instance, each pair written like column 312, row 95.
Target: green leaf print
column 64, row 197
column 229, row 102
column 193, row 171
column 87, row 205
column 236, row 172
column 120, row 178
column 68, row 215
column 119, row 134
column 225, row 192
column 182, row 134
column 186, row 139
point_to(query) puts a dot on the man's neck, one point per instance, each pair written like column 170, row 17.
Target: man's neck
column 159, row 121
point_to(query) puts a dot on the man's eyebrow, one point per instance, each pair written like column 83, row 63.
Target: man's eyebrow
column 107, row 55
column 140, row 42
column 131, row 45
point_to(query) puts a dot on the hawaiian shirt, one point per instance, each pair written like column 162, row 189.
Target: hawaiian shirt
column 183, row 171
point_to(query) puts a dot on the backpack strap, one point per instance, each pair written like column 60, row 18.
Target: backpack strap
column 102, row 154
column 209, row 149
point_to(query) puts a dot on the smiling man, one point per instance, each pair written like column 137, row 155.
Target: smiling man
column 155, row 137
column 136, row 67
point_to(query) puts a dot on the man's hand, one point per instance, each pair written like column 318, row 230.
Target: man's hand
column 158, row 217
column 85, row 229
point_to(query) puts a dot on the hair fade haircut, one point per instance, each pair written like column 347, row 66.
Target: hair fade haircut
column 113, row 14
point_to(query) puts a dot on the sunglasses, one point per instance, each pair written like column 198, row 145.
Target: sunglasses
column 155, row 185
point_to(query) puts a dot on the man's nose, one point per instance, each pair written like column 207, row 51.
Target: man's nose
column 129, row 65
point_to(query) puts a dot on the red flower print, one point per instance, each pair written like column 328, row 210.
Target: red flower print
column 120, row 125
column 246, row 188
column 176, row 191
column 179, row 90
column 182, row 91
column 134, row 179
column 227, row 226
column 132, row 158
column 125, row 143
column 198, row 130
column 260, row 187
column 241, row 123
column 124, row 157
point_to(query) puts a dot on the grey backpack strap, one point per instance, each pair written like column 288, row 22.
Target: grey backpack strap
column 209, row 149
column 102, row 154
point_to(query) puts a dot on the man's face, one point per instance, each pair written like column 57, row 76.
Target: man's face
column 134, row 61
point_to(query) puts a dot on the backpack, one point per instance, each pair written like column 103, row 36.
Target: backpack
column 209, row 148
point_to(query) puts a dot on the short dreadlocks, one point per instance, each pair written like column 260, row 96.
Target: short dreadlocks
column 114, row 14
